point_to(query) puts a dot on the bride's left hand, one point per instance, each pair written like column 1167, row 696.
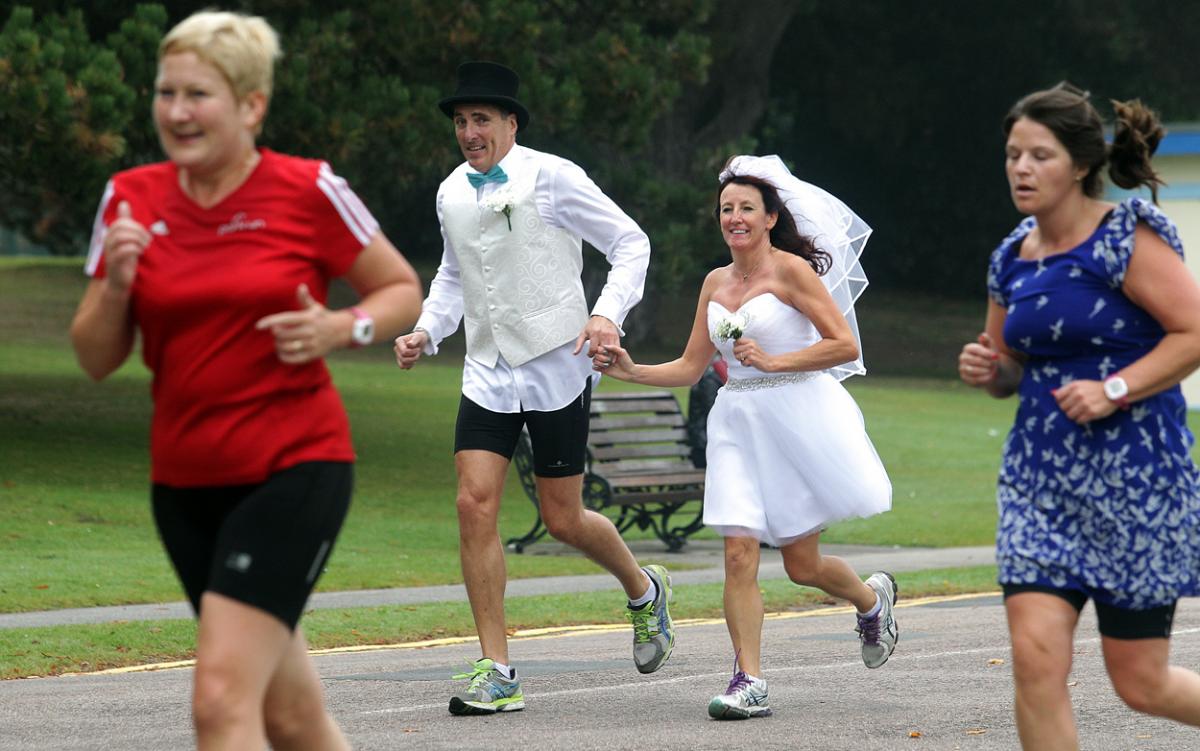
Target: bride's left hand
column 614, row 361
column 750, row 355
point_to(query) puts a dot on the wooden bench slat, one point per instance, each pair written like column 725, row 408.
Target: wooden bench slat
column 668, row 496
column 681, row 476
column 608, row 422
column 619, row 437
column 625, row 396
column 656, row 479
column 664, row 406
column 640, row 450
column 617, row 467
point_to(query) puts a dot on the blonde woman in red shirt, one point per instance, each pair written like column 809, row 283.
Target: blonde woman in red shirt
column 221, row 258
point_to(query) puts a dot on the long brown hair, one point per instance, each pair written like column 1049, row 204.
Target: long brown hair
column 784, row 234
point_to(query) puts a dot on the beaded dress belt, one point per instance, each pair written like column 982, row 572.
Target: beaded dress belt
column 770, row 382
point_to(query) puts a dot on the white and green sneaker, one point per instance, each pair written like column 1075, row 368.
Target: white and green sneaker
column 653, row 632
column 488, row 693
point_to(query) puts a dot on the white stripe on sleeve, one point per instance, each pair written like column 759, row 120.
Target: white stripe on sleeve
column 357, row 217
column 99, row 229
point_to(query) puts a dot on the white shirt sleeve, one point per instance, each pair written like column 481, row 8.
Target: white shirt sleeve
column 443, row 308
column 568, row 198
column 99, row 230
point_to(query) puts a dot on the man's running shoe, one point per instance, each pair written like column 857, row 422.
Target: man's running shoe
column 488, row 693
column 879, row 633
column 653, row 632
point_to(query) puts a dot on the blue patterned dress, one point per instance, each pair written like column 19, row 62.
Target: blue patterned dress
column 1111, row 508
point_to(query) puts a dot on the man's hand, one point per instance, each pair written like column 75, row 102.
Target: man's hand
column 599, row 332
column 409, row 347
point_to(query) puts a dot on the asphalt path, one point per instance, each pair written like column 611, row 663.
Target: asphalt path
column 948, row 686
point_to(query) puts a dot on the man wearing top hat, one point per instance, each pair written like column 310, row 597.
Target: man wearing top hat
column 513, row 220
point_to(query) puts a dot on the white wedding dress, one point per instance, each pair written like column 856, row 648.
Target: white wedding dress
column 788, row 453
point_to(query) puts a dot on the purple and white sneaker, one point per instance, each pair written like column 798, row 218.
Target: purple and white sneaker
column 745, row 697
column 879, row 633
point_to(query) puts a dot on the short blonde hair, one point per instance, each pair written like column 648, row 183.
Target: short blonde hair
column 244, row 48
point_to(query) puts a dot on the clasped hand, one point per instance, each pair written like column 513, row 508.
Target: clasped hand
column 409, row 347
column 613, row 360
column 599, row 332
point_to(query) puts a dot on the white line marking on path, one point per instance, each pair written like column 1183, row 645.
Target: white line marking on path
column 549, row 632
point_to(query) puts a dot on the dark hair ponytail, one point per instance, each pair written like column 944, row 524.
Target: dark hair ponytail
column 784, row 235
column 1136, row 135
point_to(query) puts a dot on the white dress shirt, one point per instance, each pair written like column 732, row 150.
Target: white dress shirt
column 566, row 198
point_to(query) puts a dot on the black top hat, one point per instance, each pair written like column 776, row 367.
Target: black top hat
column 487, row 83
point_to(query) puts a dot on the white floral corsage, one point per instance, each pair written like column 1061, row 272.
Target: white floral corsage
column 732, row 326
column 501, row 202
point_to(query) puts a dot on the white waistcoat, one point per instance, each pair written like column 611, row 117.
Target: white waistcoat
column 522, row 288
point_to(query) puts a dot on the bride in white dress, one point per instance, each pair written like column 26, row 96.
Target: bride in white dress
column 788, row 452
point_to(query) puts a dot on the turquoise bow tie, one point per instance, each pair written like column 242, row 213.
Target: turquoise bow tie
column 494, row 175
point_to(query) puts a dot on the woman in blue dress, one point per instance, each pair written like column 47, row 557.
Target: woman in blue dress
column 1093, row 320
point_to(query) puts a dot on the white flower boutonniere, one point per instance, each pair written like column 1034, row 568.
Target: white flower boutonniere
column 732, row 326
column 501, row 202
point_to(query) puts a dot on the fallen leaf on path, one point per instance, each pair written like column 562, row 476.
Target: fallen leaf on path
column 914, row 734
column 995, row 661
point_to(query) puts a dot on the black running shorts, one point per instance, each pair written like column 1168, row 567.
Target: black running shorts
column 263, row 545
column 559, row 438
column 1113, row 622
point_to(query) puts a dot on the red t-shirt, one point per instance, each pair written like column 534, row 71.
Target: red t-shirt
column 226, row 410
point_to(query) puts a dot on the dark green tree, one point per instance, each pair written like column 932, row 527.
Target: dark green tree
column 64, row 107
column 897, row 107
column 357, row 87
